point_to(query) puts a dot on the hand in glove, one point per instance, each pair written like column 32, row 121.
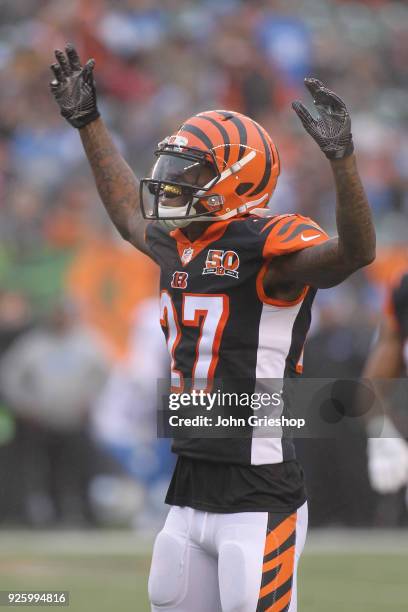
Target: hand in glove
column 387, row 459
column 73, row 88
column 332, row 129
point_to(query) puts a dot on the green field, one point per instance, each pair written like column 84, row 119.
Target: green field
column 353, row 571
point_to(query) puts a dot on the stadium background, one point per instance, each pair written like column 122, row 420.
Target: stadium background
column 77, row 318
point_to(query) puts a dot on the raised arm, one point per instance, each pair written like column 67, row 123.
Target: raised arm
column 117, row 185
column 328, row 264
column 74, row 90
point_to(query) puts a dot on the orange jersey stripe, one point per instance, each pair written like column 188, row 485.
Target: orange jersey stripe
column 292, row 233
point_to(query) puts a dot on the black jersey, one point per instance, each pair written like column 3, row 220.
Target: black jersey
column 229, row 487
column 220, row 324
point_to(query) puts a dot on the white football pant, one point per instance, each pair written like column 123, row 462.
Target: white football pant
column 243, row 562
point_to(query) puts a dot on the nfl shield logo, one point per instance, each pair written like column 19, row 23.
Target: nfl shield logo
column 187, row 255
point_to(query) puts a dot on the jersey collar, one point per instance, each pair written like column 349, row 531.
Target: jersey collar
column 213, row 232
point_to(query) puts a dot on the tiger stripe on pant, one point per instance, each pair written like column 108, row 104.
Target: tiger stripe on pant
column 278, row 564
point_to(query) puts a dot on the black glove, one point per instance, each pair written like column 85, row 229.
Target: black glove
column 74, row 88
column 331, row 130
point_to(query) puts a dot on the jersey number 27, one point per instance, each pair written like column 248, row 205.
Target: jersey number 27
column 210, row 313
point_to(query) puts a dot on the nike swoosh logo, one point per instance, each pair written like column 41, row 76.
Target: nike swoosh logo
column 308, row 238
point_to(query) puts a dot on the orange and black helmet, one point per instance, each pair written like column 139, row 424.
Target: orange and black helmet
column 217, row 165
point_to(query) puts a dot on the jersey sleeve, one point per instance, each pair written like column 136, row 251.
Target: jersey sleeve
column 290, row 233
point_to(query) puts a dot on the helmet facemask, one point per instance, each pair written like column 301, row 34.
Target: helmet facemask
column 177, row 192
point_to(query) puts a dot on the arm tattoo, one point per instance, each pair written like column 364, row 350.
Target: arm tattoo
column 330, row 263
column 117, row 185
column 354, row 222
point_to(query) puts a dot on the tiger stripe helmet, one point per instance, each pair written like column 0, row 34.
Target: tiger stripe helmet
column 242, row 170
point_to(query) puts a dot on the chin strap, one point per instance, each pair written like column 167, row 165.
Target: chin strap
column 178, row 223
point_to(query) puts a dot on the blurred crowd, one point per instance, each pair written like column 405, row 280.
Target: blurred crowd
column 156, row 64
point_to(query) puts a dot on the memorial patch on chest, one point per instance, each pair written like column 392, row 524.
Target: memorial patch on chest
column 222, row 263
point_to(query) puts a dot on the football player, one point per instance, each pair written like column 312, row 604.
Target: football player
column 388, row 454
column 237, row 285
